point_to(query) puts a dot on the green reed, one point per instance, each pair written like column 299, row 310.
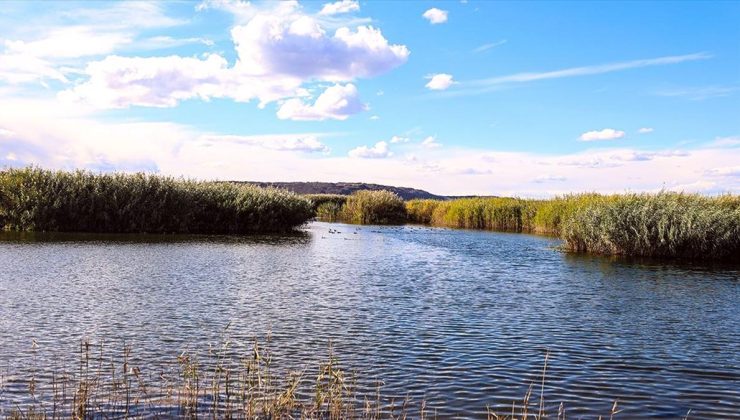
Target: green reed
column 664, row 224
column 374, row 207
column 327, row 207
column 33, row 199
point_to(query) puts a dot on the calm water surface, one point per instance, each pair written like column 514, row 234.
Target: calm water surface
column 461, row 319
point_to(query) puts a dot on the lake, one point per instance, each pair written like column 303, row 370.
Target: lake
column 459, row 319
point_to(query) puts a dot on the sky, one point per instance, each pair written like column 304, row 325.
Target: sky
column 529, row 99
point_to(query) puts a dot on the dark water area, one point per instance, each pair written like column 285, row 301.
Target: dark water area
column 460, row 319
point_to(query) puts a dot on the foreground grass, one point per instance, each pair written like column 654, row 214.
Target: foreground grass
column 33, row 199
column 220, row 383
column 665, row 224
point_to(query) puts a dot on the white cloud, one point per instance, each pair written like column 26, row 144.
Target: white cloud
column 491, row 45
column 70, row 137
column 439, row 81
column 430, row 143
column 605, row 134
column 435, row 16
column 298, row 46
column 70, row 42
column 699, row 93
column 479, row 86
column 6, row 133
column 61, row 40
column 278, row 51
column 726, row 141
column 337, row 102
column 22, row 68
column 399, row 139
column 645, row 130
column 728, row 171
column 283, row 142
column 379, row 151
column 549, row 178
column 374, row 117
column 118, row 82
column 338, row 7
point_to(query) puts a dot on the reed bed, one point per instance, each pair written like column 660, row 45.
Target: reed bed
column 327, row 207
column 226, row 382
column 657, row 225
column 33, row 199
column 374, row 207
column 665, row 224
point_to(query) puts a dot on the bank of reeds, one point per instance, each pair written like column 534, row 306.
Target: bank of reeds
column 33, row 199
column 374, row 207
column 327, row 207
column 656, row 225
column 664, row 224
column 225, row 381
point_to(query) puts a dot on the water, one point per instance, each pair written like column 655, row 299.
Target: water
column 460, row 319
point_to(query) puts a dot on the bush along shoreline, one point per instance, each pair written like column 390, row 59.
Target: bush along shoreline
column 33, row 199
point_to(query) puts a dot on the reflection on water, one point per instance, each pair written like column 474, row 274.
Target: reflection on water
column 461, row 319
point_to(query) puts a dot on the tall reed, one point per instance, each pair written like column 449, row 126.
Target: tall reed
column 34, row 199
column 665, row 224
column 657, row 225
column 374, row 207
column 327, row 207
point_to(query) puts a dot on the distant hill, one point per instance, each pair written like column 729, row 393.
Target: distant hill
column 347, row 188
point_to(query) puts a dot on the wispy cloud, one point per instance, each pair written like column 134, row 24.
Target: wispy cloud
column 699, row 93
column 491, row 45
column 473, row 87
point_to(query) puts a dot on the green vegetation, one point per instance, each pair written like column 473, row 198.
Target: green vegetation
column 226, row 381
column 651, row 225
column 327, row 207
column 33, row 199
column 502, row 214
column 374, row 207
column 657, row 225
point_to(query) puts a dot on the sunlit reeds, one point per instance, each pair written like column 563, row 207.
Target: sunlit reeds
column 33, row 199
column 664, row 224
column 374, row 207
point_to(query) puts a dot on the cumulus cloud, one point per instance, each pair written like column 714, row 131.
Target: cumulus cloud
column 435, row 16
column 118, row 82
column 439, row 81
column 430, row 143
column 337, row 102
column 278, row 51
column 645, row 130
column 399, row 139
column 379, row 151
column 338, row 7
column 605, row 134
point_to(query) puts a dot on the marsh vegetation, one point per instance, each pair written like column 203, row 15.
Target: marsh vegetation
column 665, row 224
column 226, row 381
column 33, row 199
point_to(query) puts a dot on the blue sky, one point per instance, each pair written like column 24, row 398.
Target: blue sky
column 515, row 98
